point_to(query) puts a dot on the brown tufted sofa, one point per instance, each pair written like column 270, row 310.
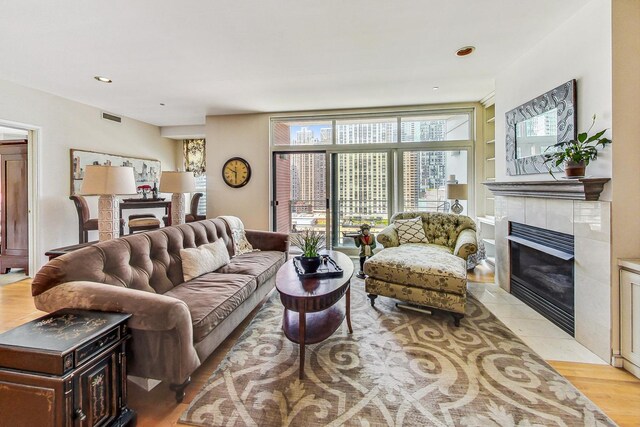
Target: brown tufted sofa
column 175, row 325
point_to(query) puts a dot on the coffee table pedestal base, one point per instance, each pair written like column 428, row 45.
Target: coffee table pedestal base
column 310, row 328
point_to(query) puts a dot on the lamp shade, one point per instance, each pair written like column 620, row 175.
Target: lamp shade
column 457, row 191
column 108, row 180
column 177, row 182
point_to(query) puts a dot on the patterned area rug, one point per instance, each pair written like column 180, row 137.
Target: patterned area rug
column 399, row 368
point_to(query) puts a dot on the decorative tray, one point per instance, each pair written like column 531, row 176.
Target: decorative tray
column 328, row 268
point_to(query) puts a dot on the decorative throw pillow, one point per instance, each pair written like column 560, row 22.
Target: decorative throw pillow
column 410, row 230
column 241, row 244
column 203, row 259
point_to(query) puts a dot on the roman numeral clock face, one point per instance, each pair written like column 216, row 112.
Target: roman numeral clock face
column 236, row 172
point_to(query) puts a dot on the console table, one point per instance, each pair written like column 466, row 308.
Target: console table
column 144, row 204
column 66, row 368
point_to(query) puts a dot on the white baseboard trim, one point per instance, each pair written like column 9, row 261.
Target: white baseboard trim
column 147, row 384
column 630, row 367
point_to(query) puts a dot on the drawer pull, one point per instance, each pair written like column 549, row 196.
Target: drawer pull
column 80, row 415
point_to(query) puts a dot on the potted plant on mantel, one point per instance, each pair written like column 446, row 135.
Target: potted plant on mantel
column 311, row 242
column 576, row 154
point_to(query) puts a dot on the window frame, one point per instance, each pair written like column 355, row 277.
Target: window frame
column 395, row 149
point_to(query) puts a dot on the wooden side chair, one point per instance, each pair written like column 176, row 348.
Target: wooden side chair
column 85, row 223
column 143, row 222
column 193, row 213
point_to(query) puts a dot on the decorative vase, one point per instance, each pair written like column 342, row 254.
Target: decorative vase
column 310, row 264
column 574, row 169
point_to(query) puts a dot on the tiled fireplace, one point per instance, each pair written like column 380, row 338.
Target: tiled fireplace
column 589, row 224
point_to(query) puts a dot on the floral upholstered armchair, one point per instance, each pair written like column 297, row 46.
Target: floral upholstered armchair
column 430, row 271
column 456, row 232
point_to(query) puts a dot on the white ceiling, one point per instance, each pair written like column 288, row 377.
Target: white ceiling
column 235, row 56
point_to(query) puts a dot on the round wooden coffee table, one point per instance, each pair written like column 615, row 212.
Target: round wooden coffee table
column 311, row 314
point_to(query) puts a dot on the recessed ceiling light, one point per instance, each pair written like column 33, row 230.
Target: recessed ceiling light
column 464, row 51
column 436, row 88
column 103, row 79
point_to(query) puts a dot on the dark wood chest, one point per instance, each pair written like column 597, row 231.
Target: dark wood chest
column 65, row 369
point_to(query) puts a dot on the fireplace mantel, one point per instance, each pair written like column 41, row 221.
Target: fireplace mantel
column 573, row 189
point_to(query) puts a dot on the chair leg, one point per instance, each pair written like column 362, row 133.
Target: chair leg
column 372, row 297
column 456, row 318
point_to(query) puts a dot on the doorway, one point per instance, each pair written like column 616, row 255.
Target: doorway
column 300, row 192
column 14, row 205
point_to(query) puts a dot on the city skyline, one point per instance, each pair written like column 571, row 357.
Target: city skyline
column 362, row 185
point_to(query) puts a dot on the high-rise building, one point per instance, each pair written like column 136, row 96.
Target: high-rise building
column 362, row 186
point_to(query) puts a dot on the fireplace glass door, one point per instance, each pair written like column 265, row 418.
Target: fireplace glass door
column 549, row 277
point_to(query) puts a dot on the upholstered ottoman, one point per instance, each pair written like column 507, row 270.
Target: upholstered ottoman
column 423, row 274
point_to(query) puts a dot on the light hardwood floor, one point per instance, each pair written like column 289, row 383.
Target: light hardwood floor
column 615, row 391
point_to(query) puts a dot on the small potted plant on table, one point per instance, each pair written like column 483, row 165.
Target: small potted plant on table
column 311, row 242
column 577, row 153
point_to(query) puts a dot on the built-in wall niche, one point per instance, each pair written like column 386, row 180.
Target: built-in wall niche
column 535, row 126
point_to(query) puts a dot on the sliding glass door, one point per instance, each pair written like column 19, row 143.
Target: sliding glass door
column 300, row 192
column 334, row 173
column 361, row 193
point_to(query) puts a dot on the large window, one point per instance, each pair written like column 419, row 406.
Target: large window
column 335, row 173
column 425, row 175
column 194, row 152
column 301, row 132
column 441, row 127
column 361, row 194
column 367, row 131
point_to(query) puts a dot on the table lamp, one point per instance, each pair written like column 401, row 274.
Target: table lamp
column 107, row 182
column 456, row 192
column 177, row 183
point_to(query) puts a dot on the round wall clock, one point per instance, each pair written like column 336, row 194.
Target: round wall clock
column 236, row 172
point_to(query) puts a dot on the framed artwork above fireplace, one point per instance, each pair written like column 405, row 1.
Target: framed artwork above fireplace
column 533, row 127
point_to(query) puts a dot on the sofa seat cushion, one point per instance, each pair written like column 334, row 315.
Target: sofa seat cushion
column 260, row 264
column 425, row 266
column 212, row 297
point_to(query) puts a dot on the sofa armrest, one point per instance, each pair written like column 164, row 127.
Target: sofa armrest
column 151, row 312
column 388, row 237
column 268, row 240
column 162, row 345
column 466, row 244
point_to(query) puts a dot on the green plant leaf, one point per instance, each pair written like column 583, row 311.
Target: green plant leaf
column 582, row 137
column 596, row 136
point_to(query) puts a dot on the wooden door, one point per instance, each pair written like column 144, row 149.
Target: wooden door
column 14, row 214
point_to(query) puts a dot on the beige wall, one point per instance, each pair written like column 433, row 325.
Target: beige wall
column 626, row 135
column 245, row 136
column 63, row 124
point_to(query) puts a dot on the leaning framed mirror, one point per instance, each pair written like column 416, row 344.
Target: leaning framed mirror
column 534, row 127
